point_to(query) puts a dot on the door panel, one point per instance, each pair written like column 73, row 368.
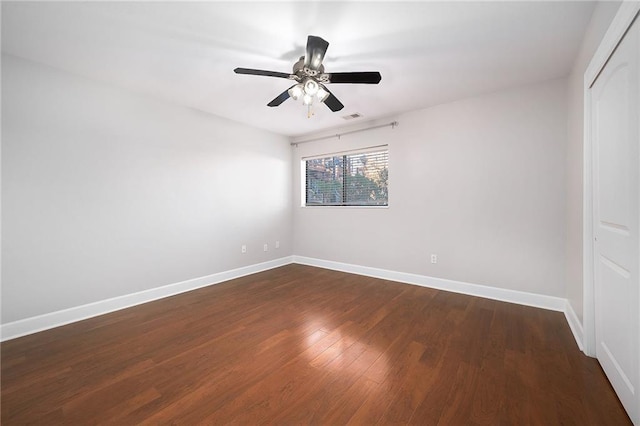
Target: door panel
column 616, row 160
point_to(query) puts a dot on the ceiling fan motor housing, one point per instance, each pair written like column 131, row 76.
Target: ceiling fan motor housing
column 301, row 71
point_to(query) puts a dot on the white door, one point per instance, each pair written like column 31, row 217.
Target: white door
column 616, row 189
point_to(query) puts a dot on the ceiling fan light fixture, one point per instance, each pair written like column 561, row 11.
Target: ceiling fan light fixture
column 307, row 99
column 296, row 91
column 311, row 87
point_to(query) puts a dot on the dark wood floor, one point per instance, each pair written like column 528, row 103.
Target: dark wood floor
column 301, row 345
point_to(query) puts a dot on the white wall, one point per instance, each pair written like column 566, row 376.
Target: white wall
column 106, row 193
column 479, row 182
column 600, row 20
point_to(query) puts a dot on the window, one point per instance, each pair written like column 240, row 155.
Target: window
column 357, row 179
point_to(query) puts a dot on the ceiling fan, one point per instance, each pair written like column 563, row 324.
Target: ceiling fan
column 310, row 78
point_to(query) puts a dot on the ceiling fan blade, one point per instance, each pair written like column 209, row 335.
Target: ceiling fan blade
column 280, row 98
column 332, row 102
column 367, row 77
column 251, row 71
column 316, row 48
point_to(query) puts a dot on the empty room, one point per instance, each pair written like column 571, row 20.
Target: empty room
column 302, row 212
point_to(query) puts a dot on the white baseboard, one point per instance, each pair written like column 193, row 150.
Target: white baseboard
column 574, row 325
column 38, row 323
column 32, row 325
column 513, row 296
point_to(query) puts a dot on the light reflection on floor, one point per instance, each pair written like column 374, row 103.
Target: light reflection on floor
column 341, row 350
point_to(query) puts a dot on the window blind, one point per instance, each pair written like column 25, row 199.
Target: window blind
column 359, row 179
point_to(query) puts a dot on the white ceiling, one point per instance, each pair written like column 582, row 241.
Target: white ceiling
column 427, row 52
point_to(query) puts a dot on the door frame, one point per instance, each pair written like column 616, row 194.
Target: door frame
column 619, row 26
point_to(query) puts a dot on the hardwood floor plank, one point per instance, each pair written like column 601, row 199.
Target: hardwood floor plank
column 303, row 345
column 404, row 385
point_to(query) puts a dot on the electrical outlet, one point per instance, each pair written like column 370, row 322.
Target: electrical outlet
column 434, row 258
column 266, row 247
column 277, row 244
column 243, row 248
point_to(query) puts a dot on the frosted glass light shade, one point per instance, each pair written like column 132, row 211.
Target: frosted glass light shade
column 322, row 94
column 311, row 87
column 296, row 91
